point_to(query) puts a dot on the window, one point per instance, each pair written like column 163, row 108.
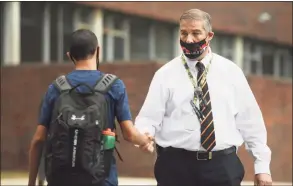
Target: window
column 268, row 60
column 265, row 58
column 252, row 58
column 62, row 19
column 254, row 66
column 223, row 45
column 68, row 27
column 31, row 31
column 86, row 15
column 215, row 45
column 46, row 28
column 164, row 41
column 104, row 48
column 139, row 39
column 282, row 64
column 289, row 63
column 115, row 37
column 285, row 61
column 118, row 48
column 134, row 38
column 54, row 11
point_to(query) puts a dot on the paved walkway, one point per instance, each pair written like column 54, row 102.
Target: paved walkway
column 122, row 181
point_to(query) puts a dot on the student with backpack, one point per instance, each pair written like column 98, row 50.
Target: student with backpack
column 77, row 122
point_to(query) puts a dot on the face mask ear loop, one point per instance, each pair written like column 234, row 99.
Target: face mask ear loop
column 72, row 59
column 97, row 58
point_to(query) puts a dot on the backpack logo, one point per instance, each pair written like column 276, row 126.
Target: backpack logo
column 73, row 117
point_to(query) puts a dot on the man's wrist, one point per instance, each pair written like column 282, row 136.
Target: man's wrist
column 262, row 168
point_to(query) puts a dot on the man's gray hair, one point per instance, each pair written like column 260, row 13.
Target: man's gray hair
column 197, row 14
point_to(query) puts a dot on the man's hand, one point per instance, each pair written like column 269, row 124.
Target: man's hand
column 263, row 180
column 149, row 138
column 149, row 147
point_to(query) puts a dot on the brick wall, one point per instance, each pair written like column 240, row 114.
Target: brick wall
column 22, row 88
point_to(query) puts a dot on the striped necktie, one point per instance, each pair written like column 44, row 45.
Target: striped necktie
column 208, row 140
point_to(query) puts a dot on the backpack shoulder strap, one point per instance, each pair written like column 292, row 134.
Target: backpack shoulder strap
column 105, row 82
column 62, row 84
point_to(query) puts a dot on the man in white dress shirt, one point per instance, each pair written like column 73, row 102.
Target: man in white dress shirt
column 200, row 109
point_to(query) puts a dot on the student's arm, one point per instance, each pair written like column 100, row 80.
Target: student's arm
column 39, row 137
column 123, row 115
column 131, row 134
column 36, row 152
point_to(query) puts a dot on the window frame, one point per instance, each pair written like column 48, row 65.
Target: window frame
column 257, row 53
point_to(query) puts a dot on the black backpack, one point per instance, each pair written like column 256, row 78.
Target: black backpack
column 74, row 150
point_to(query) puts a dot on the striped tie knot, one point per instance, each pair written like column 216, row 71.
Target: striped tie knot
column 200, row 66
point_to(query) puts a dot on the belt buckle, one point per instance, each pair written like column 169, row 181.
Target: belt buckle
column 210, row 156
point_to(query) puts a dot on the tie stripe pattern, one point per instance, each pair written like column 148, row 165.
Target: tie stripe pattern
column 208, row 139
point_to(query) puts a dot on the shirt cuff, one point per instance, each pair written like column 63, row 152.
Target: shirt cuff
column 262, row 168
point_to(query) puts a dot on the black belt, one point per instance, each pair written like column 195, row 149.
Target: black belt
column 200, row 155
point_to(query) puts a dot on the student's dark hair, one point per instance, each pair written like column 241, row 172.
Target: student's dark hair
column 83, row 43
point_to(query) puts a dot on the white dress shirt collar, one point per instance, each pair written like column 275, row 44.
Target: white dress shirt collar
column 205, row 60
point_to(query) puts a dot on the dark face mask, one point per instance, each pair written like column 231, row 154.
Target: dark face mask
column 193, row 50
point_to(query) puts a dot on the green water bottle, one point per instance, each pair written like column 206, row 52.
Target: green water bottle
column 109, row 139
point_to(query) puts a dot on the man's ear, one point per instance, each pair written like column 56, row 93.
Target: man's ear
column 70, row 58
column 210, row 36
column 68, row 55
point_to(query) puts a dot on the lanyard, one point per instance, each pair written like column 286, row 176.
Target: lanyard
column 191, row 76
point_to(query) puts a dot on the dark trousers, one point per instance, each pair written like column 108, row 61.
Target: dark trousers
column 178, row 168
column 112, row 179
